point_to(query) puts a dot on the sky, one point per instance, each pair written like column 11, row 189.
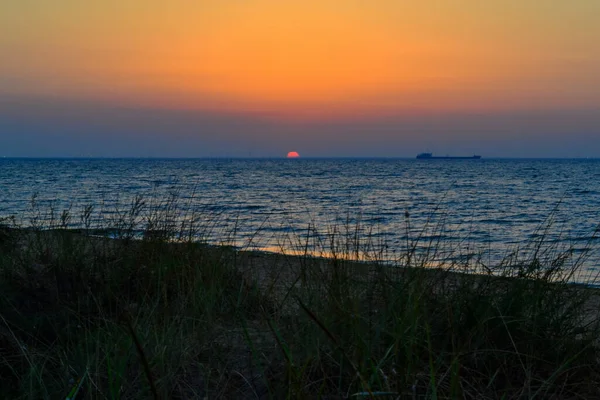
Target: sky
column 326, row 78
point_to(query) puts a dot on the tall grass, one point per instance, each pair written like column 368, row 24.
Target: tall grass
column 135, row 304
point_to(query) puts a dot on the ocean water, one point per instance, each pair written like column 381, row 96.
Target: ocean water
column 468, row 208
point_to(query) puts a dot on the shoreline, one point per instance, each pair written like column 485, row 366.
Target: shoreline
column 272, row 254
column 206, row 315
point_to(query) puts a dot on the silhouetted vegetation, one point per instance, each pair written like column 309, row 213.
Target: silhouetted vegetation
column 151, row 312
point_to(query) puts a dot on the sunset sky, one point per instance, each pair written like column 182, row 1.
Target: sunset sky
column 238, row 78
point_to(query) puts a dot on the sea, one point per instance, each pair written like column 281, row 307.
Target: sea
column 466, row 210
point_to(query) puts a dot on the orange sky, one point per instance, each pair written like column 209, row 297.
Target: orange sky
column 299, row 58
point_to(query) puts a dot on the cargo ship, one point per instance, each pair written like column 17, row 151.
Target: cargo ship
column 429, row 156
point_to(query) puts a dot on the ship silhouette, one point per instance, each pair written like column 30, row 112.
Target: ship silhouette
column 429, row 156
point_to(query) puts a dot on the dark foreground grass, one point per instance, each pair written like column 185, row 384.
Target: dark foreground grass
column 154, row 318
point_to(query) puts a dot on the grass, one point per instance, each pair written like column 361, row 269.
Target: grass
column 154, row 313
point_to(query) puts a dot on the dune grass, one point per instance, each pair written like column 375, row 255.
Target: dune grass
column 153, row 312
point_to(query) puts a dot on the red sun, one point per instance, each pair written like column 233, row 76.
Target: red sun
column 293, row 154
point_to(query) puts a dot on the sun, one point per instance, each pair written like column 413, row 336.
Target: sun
column 293, row 154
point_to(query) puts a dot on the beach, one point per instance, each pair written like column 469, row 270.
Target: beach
column 190, row 320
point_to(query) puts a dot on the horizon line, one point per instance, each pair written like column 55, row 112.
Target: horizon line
column 273, row 158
